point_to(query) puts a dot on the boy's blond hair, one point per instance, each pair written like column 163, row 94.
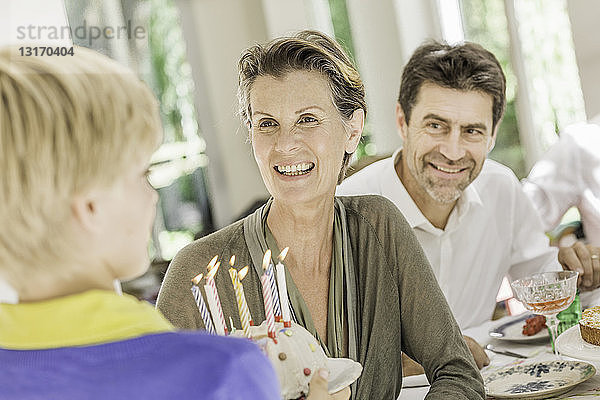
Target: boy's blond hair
column 67, row 124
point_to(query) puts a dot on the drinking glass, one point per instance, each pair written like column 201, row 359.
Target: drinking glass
column 547, row 294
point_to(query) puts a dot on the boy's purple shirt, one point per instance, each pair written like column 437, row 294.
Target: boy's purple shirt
column 172, row 365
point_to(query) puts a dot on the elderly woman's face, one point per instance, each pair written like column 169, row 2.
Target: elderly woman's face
column 298, row 136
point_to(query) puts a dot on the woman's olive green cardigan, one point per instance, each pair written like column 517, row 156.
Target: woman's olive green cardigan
column 399, row 304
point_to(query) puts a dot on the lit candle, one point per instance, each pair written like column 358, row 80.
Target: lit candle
column 212, row 297
column 267, row 293
column 282, row 285
column 241, row 275
column 241, row 302
column 271, row 274
column 201, row 305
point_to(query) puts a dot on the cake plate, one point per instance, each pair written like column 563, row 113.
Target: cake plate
column 342, row 372
column 570, row 343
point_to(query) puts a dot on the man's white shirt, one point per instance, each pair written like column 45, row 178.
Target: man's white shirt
column 569, row 176
column 492, row 231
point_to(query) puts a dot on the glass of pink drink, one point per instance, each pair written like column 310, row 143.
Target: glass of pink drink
column 547, row 294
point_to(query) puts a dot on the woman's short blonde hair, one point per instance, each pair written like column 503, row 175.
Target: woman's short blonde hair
column 67, row 124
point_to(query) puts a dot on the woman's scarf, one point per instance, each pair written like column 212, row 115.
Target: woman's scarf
column 341, row 315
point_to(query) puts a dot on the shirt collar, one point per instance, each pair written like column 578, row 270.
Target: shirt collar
column 398, row 194
column 469, row 199
column 415, row 218
column 92, row 317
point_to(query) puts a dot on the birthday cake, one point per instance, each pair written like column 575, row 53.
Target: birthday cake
column 589, row 325
column 295, row 354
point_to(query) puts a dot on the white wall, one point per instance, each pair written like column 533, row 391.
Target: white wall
column 216, row 32
column 47, row 15
column 379, row 58
column 385, row 33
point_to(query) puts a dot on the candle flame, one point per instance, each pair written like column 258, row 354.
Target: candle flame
column 282, row 255
column 243, row 272
column 213, row 271
column 197, row 279
column 266, row 259
column 232, row 260
column 212, row 263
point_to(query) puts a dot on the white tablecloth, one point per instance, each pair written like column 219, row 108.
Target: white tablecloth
column 537, row 352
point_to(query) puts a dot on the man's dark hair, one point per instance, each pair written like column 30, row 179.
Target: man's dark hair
column 466, row 66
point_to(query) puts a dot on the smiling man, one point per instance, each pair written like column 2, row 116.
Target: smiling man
column 469, row 214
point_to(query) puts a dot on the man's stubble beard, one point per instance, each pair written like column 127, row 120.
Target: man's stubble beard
column 432, row 188
column 442, row 197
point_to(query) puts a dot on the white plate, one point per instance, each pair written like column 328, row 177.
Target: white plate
column 537, row 380
column 513, row 330
column 571, row 344
column 342, row 372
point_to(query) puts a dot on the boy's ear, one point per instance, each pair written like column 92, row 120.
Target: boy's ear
column 85, row 210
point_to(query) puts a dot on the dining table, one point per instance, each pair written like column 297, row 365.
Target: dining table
column 416, row 387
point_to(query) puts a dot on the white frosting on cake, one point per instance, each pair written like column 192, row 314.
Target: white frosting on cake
column 591, row 317
column 295, row 354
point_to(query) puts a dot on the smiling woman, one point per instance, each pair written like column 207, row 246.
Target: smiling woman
column 353, row 263
column 300, row 140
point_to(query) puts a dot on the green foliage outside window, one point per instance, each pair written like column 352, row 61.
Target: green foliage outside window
column 553, row 86
column 484, row 22
column 343, row 34
column 171, row 78
column 553, row 78
column 172, row 75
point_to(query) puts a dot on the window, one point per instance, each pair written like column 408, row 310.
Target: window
column 343, row 34
column 146, row 35
column 485, row 23
column 541, row 72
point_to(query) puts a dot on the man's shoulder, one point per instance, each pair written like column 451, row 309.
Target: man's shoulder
column 364, row 181
column 582, row 129
column 499, row 189
column 496, row 174
column 581, row 136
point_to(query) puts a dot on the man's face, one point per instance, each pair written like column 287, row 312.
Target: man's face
column 447, row 140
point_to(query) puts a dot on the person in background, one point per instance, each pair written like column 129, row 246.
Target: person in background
column 469, row 213
column 568, row 175
column 356, row 276
column 76, row 135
